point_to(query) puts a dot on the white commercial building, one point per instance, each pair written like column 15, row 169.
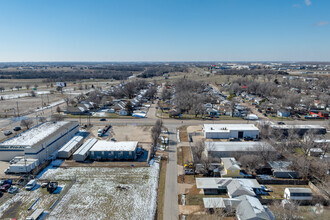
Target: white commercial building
column 69, row 148
column 40, row 141
column 225, row 131
column 22, row 166
column 109, row 150
column 233, row 148
column 82, row 153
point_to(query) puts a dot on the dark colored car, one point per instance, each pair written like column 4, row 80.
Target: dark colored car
column 233, row 139
column 7, row 133
column 52, row 186
column 265, row 114
column 280, row 123
column 5, row 187
column 17, row 129
column 248, row 139
column 103, row 119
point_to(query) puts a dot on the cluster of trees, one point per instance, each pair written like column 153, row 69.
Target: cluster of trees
column 155, row 133
column 190, row 97
column 246, row 72
column 129, row 89
column 159, row 70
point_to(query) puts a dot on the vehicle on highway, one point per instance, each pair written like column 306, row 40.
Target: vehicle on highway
column 103, row 119
column 17, row 128
column 5, row 187
column 7, row 133
column 31, row 184
column 13, row 189
column 280, row 123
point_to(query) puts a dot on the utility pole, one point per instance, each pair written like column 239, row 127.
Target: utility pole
column 17, row 109
column 42, row 103
column 51, row 107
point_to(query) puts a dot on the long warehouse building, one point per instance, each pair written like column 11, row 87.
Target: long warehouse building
column 40, row 141
column 69, row 148
column 82, row 153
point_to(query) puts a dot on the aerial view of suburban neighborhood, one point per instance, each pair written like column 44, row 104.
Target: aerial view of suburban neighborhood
column 110, row 110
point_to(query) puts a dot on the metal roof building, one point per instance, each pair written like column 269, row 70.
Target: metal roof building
column 232, row 148
column 109, row 150
column 39, row 142
column 82, row 153
column 225, row 131
column 70, row 147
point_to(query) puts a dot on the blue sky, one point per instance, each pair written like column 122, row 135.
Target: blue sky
column 167, row 30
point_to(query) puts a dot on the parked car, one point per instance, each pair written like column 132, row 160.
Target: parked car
column 103, row 119
column 13, row 189
column 265, row 114
column 17, row 128
column 280, row 123
column 5, row 187
column 31, row 184
column 248, row 139
column 52, row 186
column 44, row 184
column 7, row 133
column 233, row 139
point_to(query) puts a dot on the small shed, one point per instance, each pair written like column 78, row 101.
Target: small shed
column 298, row 194
column 82, row 153
column 280, row 169
column 70, row 147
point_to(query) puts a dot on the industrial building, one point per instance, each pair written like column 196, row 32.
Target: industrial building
column 299, row 129
column 82, row 153
column 109, row 150
column 40, row 141
column 69, row 148
column 225, row 131
column 22, row 165
column 233, row 148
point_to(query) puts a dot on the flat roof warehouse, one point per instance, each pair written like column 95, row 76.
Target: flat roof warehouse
column 115, row 146
column 228, row 127
column 34, row 135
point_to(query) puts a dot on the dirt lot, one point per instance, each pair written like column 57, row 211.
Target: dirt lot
column 125, row 133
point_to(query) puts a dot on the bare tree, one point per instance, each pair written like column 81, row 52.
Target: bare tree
column 155, row 132
column 58, row 109
column 287, row 211
column 67, row 100
column 251, row 162
column 42, row 119
column 27, row 123
column 198, row 151
column 27, row 86
column 57, row 117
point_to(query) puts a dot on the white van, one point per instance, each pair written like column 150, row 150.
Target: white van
column 31, row 184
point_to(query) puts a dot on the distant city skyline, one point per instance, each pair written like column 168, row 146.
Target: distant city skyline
column 165, row 31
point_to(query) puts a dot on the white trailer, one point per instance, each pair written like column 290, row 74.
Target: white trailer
column 82, row 153
column 69, row 148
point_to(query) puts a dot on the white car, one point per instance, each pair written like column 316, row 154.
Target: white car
column 13, row 189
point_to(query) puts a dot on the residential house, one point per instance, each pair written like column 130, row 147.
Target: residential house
column 230, row 167
column 283, row 113
column 250, row 208
column 280, row 169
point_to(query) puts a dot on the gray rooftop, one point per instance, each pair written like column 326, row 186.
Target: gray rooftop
column 299, row 190
column 237, row 146
column 251, row 208
column 280, row 165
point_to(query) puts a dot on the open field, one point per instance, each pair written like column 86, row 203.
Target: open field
column 92, row 193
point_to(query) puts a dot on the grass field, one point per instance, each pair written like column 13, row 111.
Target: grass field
column 161, row 190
